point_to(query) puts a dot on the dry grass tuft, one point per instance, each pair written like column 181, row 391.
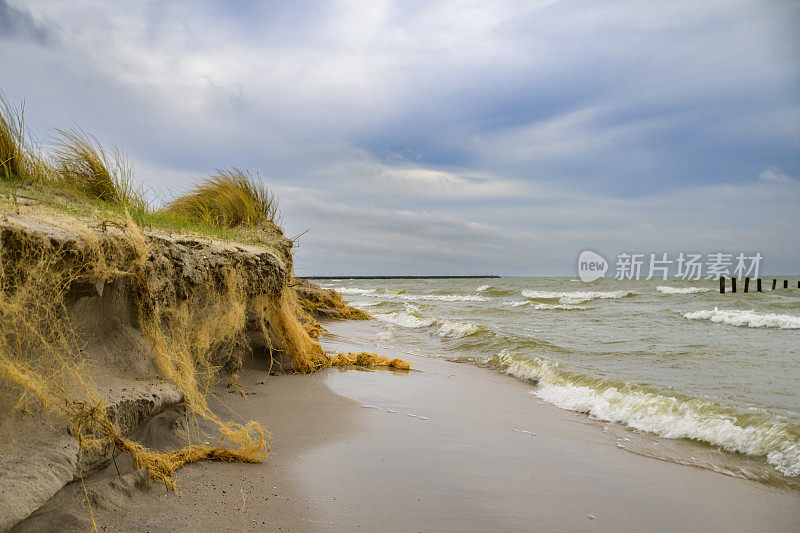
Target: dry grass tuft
column 230, row 198
column 12, row 141
column 19, row 155
column 83, row 164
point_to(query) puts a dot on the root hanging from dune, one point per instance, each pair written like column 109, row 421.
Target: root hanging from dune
column 42, row 367
column 92, row 420
column 280, row 325
column 40, row 359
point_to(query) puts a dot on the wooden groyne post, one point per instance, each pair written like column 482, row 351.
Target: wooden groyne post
column 759, row 287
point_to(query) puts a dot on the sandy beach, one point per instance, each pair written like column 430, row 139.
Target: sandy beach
column 446, row 447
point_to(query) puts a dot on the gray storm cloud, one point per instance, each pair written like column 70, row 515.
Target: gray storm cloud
column 444, row 136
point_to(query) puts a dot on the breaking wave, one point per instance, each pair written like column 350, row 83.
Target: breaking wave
column 450, row 329
column 576, row 297
column 439, row 297
column 760, row 435
column 353, row 290
column 564, row 307
column 494, row 291
column 401, row 295
column 406, row 320
column 750, row 319
column 365, row 304
column 681, row 290
column 447, row 329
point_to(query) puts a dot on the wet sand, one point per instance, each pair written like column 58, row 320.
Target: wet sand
column 479, row 454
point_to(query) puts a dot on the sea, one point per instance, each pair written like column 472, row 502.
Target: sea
column 674, row 369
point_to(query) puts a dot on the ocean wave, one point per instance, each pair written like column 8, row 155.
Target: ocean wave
column 516, row 303
column 406, row 320
column 401, row 295
column 447, row 329
column 494, row 291
column 564, row 307
column 450, row 329
column 438, row 297
column 760, row 435
column 545, row 307
column 576, row 297
column 751, row 319
column 365, row 304
column 681, row 290
column 353, row 290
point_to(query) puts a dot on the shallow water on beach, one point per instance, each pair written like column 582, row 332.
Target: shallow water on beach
column 673, row 359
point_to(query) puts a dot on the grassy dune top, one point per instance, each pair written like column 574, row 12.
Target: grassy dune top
column 77, row 175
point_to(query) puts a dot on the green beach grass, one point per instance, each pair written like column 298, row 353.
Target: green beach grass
column 82, row 178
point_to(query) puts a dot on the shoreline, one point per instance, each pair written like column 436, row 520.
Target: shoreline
column 480, row 453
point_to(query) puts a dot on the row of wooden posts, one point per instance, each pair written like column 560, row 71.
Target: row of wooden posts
column 747, row 284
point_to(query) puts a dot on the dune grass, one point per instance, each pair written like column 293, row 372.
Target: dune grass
column 79, row 163
column 82, row 163
column 81, row 177
column 12, row 141
column 20, row 157
column 229, row 198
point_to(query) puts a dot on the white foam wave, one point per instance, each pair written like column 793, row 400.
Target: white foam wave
column 576, row 297
column 482, row 288
column 451, row 329
column 411, row 308
column 682, row 290
column 564, row 307
column 516, row 303
column 400, row 295
column 772, row 438
column 365, row 304
column 448, row 329
column 406, row 320
column 438, row 297
column 353, row 290
column 751, row 319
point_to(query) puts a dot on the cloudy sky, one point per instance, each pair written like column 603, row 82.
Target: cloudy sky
column 450, row 137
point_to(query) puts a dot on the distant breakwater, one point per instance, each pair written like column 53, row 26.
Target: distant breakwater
column 486, row 276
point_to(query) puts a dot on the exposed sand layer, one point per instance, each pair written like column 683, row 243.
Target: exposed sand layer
column 478, row 454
